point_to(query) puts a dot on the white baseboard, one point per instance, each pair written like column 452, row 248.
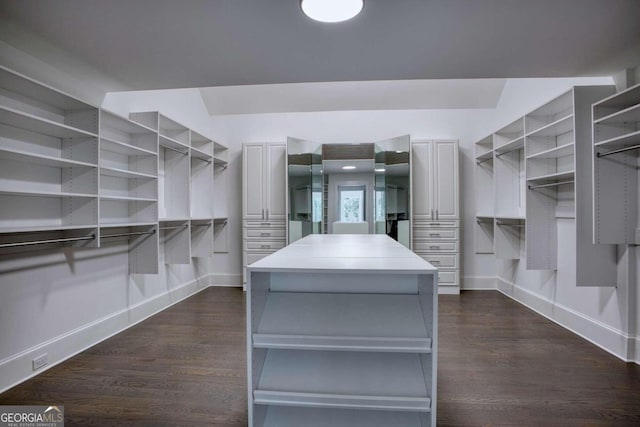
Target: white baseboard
column 448, row 290
column 479, row 283
column 604, row 336
column 17, row 368
column 232, row 280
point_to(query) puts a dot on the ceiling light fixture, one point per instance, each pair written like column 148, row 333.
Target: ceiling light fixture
column 348, row 168
column 331, row 10
column 379, row 169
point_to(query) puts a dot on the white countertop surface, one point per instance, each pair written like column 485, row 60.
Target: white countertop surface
column 339, row 252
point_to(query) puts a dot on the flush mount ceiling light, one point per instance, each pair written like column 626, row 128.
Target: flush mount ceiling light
column 348, row 168
column 331, row 10
column 379, row 169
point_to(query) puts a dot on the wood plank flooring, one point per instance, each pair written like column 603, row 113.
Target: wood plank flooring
column 499, row 364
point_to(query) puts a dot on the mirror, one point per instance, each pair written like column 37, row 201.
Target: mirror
column 359, row 188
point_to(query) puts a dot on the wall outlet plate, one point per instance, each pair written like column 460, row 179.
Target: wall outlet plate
column 39, row 362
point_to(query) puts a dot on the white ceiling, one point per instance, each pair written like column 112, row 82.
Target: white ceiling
column 265, row 56
column 370, row 95
column 157, row 44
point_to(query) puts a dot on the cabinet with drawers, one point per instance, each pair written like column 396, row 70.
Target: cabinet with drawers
column 436, row 225
column 263, row 201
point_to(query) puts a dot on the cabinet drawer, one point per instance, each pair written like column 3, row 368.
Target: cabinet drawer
column 442, row 261
column 435, row 246
column 437, row 224
column 265, row 245
column 264, row 224
column 447, row 277
column 264, row 233
column 250, row 258
column 435, row 233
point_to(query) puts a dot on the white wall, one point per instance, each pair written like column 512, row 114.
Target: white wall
column 367, row 126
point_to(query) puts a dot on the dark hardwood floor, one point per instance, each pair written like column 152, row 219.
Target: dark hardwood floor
column 499, row 364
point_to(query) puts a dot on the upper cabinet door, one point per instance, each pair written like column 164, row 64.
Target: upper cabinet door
column 422, row 186
column 253, row 181
column 276, row 169
column 446, row 188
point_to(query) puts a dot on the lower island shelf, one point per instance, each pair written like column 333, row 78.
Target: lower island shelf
column 343, row 336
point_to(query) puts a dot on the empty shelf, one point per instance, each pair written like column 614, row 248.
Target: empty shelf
column 628, row 115
column 622, row 141
column 514, row 145
column 559, row 127
column 36, row 193
column 198, row 154
column 281, row 416
column 113, row 121
column 108, row 224
column 349, row 322
column 122, row 173
column 47, row 228
column 554, row 177
column 220, row 162
column 391, row 381
column 19, row 119
column 126, row 198
column 554, row 153
column 119, row 147
column 41, row 159
column 484, row 156
column 171, row 143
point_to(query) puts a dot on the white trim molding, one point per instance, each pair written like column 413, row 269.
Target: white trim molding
column 604, row 336
column 479, row 283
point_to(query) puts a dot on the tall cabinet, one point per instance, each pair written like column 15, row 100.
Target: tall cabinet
column 436, row 208
column 263, row 200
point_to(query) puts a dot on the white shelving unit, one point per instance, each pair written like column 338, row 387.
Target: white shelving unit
column 220, row 207
column 541, row 169
column 616, row 138
column 509, row 190
column 175, row 161
column 72, row 174
column 484, row 181
column 48, row 162
column 346, row 343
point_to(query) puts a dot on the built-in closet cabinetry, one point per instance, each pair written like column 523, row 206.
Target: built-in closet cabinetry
column 263, row 200
column 536, row 174
column 75, row 175
column 436, row 207
column 616, row 138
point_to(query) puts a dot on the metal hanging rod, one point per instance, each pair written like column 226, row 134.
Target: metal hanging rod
column 201, row 225
column 184, row 153
column 174, row 228
column 480, row 221
column 482, row 161
column 41, row 242
column 553, row 184
column 608, row 153
column 137, row 233
column 510, row 225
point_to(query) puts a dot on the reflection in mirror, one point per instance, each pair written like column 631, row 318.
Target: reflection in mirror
column 349, row 188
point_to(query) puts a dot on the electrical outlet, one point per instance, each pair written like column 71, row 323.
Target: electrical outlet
column 39, row 361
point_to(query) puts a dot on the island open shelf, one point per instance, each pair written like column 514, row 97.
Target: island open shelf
column 342, row 327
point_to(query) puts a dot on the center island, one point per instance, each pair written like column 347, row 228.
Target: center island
column 342, row 331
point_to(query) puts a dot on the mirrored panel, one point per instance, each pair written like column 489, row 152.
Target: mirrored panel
column 360, row 188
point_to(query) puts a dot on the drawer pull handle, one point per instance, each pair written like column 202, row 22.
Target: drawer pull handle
column 434, row 234
column 265, row 246
column 435, row 262
column 265, row 223
column 434, row 247
column 265, row 234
